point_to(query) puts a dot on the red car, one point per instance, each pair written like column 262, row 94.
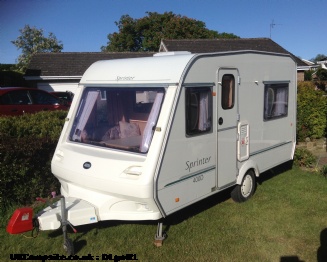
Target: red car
column 20, row 100
column 66, row 96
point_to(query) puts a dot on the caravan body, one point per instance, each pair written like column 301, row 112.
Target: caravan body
column 146, row 137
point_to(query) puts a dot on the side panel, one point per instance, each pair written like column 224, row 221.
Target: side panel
column 254, row 143
column 271, row 141
column 188, row 167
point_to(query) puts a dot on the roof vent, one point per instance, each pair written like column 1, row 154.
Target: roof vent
column 172, row 53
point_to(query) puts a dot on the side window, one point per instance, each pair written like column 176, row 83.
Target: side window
column 275, row 101
column 198, row 102
column 16, row 98
column 43, row 98
column 227, row 91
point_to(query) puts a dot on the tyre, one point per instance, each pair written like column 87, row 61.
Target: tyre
column 246, row 189
column 69, row 246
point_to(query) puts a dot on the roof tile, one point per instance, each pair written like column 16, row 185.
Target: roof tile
column 71, row 63
column 224, row 44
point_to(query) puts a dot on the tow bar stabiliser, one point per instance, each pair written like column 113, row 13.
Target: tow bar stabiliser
column 23, row 221
column 56, row 215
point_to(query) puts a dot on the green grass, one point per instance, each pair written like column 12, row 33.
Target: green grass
column 285, row 219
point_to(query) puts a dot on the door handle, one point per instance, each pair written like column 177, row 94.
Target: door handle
column 220, row 121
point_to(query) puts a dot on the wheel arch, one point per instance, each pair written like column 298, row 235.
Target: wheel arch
column 249, row 165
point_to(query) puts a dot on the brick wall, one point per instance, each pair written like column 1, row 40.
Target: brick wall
column 300, row 76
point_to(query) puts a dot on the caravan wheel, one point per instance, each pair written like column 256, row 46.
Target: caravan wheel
column 246, row 189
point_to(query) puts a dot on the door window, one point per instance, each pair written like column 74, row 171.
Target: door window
column 227, row 91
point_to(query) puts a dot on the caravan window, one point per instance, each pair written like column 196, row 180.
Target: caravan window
column 198, row 101
column 120, row 118
column 227, row 91
column 275, row 101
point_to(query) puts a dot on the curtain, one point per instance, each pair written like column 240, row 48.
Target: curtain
column 269, row 102
column 281, row 98
column 203, row 111
column 148, row 130
column 84, row 116
column 115, row 107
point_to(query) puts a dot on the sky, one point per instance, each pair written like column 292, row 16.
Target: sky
column 299, row 26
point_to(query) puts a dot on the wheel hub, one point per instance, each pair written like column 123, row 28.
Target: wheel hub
column 247, row 186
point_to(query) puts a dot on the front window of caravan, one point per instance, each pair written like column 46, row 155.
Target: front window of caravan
column 120, row 118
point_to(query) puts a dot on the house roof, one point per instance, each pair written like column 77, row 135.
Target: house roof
column 223, row 45
column 70, row 64
column 308, row 62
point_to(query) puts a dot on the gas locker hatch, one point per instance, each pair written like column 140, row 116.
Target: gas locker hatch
column 243, row 148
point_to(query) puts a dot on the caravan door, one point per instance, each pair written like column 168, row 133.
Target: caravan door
column 227, row 118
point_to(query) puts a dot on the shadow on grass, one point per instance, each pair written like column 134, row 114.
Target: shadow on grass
column 78, row 244
column 322, row 250
column 290, row 259
column 269, row 174
column 170, row 220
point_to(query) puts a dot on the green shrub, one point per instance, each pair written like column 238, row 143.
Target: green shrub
column 304, row 158
column 308, row 75
column 311, row 112
column 42, row 124
column 321, row 74
column 322, row 85
column 27, row 144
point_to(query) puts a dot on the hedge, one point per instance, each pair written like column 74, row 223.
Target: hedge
column 311, row 112
column 27, row 144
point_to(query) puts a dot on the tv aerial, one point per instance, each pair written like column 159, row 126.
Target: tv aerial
column 272, row 26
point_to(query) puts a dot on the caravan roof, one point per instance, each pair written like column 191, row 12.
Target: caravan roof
column 163, row 69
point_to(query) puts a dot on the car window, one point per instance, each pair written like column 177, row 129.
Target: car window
column 43, row 98
column 19, row 97
column 64, row 95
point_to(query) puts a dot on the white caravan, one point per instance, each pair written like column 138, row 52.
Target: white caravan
column 146, row 137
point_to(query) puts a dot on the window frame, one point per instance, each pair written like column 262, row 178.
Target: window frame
column 226, row 104
column 195, row 91
column 92, row 102
column 275, row 87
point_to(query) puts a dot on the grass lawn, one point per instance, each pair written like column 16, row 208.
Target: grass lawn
column 284, row 221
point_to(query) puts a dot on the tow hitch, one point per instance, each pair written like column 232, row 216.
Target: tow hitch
column 23, row 221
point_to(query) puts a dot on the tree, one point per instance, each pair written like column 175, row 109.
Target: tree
column 308, row 75
column 32, row 41
column 321, row 74
column 145, row 34
column 318, row 58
